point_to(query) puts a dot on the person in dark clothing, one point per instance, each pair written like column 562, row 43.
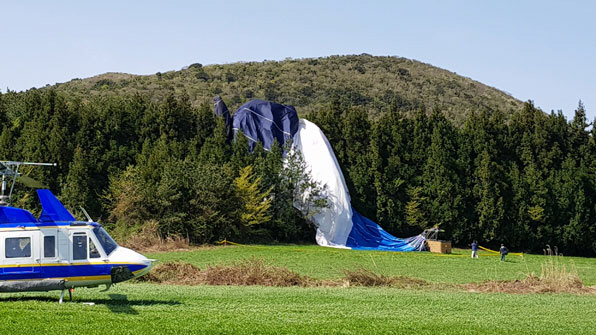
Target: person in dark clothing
column 503, row 252
column 475, row 249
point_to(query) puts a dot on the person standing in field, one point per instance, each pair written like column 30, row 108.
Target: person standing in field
column 475, row 249
column 503, row 252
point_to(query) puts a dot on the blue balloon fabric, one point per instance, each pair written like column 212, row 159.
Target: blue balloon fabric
column 221, row 110
column 265, row 121
column 367, row 235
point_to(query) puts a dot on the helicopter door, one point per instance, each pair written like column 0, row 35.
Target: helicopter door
column 21, row 258
column 84, row 248
column 49, row 245
column 79, row 247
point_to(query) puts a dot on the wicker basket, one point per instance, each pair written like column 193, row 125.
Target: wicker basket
column 441, row 247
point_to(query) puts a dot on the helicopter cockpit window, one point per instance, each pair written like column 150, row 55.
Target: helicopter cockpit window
column 79, row 247
column 93, row 252
column 15, row 247
column 107, row 242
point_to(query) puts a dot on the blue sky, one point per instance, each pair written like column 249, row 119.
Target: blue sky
column 539, row 50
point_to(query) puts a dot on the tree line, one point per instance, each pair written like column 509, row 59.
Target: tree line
column 524, row 179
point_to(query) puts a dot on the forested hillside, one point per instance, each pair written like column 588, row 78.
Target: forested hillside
column 134, row 158
column 371, row 82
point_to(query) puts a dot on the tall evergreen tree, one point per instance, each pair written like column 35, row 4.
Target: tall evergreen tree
column 77, row 191
column 490, row 205
column 356, row 131
column 440, row 179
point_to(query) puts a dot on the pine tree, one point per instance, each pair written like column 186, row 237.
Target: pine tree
column 7, row 144
column 440, row 178
column 3, row 114
column 76, row 192
column 356, row 133
column 59, row 145
column 216, row 149
column 125, row 198
column 579, row 136
column 176, row 119
column 490, row 205
column 414, row 211
column 254, row 202
column 241, row 155
column 388, row 168
column 205, row 126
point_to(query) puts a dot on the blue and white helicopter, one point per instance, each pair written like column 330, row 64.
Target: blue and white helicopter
column 56, row 251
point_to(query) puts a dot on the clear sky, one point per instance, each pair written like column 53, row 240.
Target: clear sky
column 539, row 50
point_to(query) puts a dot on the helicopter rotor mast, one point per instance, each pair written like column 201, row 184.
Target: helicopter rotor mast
column 10, row 169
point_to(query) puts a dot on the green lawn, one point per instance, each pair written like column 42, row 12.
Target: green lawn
column 139, row 308
column 328, row 263
column 156, row 309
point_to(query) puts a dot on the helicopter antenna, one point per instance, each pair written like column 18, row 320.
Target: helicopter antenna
column 86, row 214
column 10, row 169
column 3, row 198
column 14, row 179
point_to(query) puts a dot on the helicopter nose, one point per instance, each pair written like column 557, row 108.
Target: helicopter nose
column 148, row 264
column 137, row 263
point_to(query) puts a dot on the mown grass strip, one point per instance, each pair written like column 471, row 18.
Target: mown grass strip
column 161, row 309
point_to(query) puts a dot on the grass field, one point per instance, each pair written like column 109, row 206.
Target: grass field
column 135, row 308
column 329, row 263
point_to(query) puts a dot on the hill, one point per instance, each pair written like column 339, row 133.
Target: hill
column 369, row 81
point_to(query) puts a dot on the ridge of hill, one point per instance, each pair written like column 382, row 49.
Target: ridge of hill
column 373, row 82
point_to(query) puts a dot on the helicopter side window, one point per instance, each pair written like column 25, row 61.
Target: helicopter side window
column 79, row 247
column 93, row 252
column 49, row 246
column 15, row 247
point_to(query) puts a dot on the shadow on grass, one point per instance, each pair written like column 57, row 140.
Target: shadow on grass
column 515, row 259
column 117, row 303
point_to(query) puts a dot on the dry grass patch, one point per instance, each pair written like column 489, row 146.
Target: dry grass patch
column 250, row 272
column 554, row 278
column 258, row 272
column 253, row 272
column 177, row 273
column 365, row 277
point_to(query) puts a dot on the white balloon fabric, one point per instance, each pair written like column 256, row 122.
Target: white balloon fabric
column 339, row 225
column 334, row 223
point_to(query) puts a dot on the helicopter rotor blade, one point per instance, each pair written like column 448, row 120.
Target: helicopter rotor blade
column 28, row 181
